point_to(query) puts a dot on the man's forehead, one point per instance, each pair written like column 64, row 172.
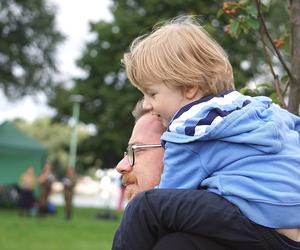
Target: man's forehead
column 147, row 129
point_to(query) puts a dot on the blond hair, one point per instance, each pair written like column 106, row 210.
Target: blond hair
column 179, row 53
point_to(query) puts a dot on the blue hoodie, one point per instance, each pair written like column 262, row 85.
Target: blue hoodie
column 243, row 148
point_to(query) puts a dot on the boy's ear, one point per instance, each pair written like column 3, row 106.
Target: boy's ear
column 191, row 92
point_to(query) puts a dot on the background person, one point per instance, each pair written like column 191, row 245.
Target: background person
column 45, row 180
column 121, row 198
column 27, row 186
column 69, row 182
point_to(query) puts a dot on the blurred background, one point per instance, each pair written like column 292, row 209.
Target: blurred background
column 66, row 102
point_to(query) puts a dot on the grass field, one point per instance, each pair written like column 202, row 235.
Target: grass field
column 83, row 232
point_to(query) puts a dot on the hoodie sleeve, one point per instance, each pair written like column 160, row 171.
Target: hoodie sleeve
column 182, row 167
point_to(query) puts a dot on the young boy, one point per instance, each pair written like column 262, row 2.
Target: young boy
column 243, row 148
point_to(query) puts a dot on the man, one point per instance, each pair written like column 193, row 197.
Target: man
column 69, row 182
column 45, row 181
column 147, row 161
column 141, row 169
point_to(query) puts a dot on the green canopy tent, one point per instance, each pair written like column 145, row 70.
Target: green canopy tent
column 17, row 152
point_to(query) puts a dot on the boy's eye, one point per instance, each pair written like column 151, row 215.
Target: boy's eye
column 150, row 94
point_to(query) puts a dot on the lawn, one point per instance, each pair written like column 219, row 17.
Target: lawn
column 83, row 232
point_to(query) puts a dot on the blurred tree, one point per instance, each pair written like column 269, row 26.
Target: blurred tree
column 56, row 138
column 28, row 39
column 279, row 43
column 109, row 98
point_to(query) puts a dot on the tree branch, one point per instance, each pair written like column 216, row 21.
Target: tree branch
column 286, row 87
column 294, row 91
column 275, row 76
column 263, row 23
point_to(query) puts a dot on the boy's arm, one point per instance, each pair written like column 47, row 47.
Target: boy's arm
column 182, row 167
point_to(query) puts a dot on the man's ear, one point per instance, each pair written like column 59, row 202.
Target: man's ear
column 191, row 92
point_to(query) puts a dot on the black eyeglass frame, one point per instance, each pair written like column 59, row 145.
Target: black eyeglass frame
column 129, row 153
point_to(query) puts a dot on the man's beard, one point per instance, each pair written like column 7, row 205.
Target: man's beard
column 129, row 179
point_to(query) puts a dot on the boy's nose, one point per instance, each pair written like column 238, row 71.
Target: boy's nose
column 146, row 104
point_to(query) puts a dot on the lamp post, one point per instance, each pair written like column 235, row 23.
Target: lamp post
column 76, row 99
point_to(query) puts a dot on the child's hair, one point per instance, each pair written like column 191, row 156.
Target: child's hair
column 179, row 53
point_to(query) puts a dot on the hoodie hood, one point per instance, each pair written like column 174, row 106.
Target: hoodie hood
column 230, row 117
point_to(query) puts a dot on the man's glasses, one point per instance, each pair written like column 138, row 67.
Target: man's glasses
column 131, row 148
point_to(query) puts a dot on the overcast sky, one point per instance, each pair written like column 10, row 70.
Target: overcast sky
column 73, row 17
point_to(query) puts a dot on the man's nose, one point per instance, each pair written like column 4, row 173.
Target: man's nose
column 123, row 166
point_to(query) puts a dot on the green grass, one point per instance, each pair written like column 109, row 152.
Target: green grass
column 83, row 232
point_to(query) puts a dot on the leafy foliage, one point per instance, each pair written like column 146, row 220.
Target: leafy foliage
column 28, row 39
column 280, row 47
